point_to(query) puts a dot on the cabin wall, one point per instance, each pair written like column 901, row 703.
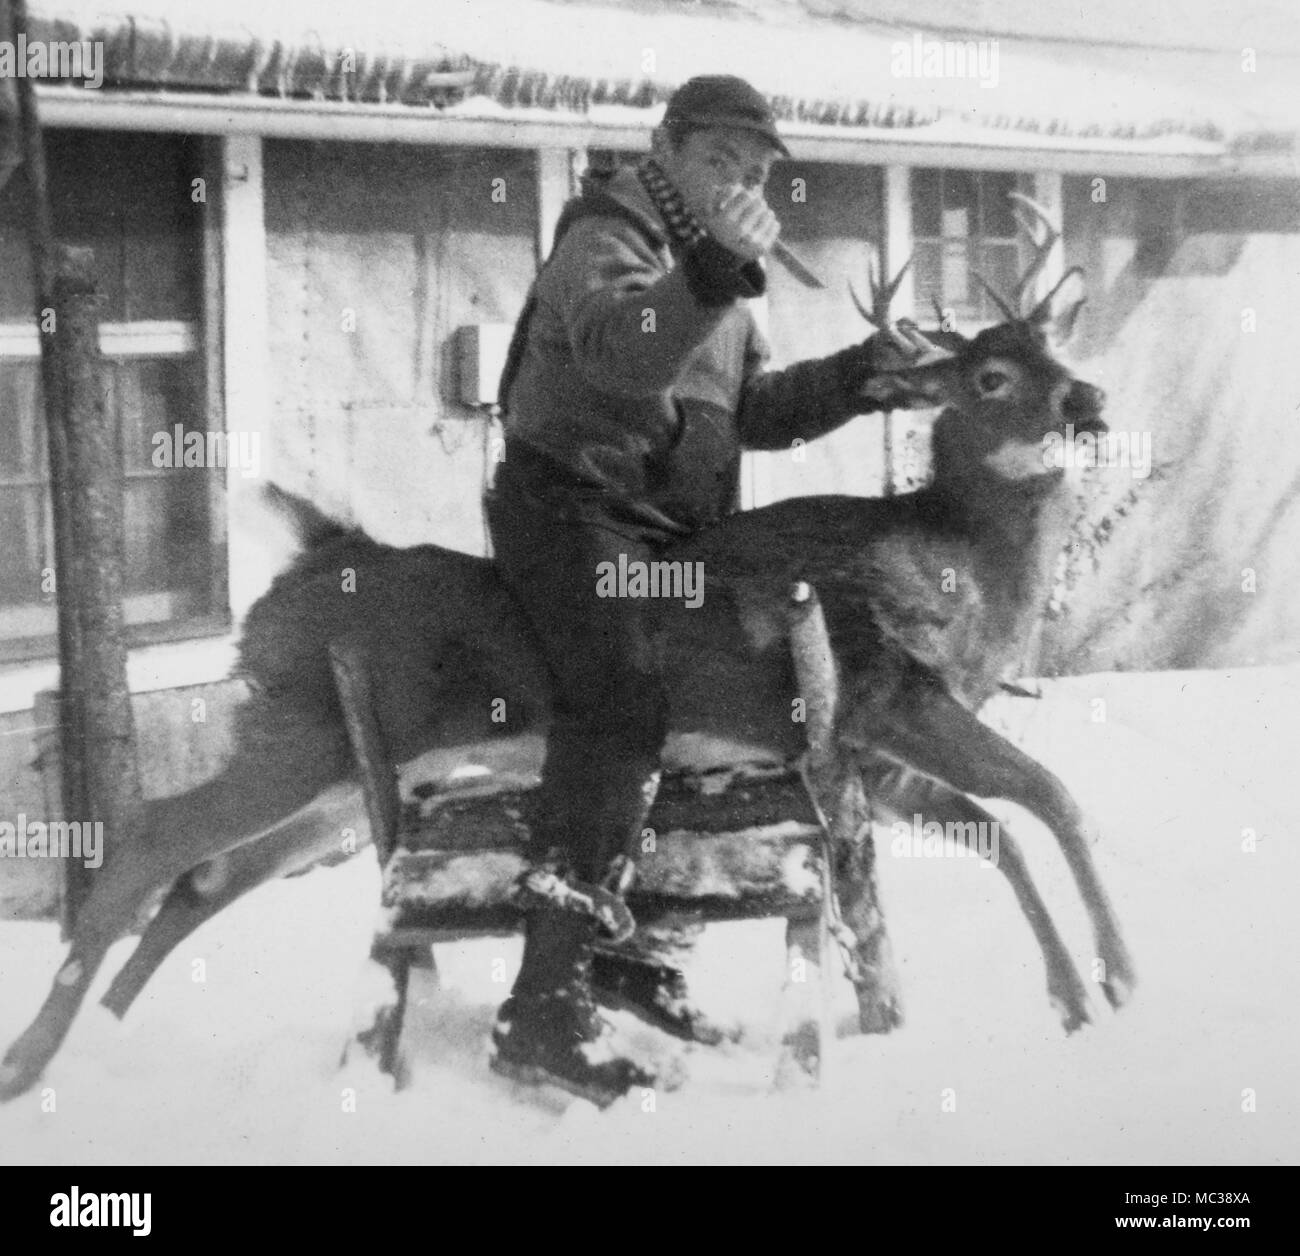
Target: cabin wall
column 184, row 737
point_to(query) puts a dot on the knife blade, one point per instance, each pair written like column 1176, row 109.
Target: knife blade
column 780, row 250
column 796, row 265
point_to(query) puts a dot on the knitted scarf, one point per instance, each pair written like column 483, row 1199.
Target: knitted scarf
column 683, row 225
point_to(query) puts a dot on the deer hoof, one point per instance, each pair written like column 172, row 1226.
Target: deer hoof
column 1072, row 1006
column 1072, row 1018
column 16, row 1079
column 1119, row 989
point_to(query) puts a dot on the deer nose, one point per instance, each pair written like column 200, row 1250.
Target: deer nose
column 1077, row 402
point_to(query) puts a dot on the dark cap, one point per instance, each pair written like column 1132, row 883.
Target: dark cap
column 724, row 100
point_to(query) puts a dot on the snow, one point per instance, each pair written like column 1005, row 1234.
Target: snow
column 243, row 1065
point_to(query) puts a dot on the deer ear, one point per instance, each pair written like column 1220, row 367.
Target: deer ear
column 1055, row 314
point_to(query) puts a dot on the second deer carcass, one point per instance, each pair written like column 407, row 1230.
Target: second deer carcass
column 930, row 599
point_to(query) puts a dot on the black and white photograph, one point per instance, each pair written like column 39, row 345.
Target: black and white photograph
column 650, row 583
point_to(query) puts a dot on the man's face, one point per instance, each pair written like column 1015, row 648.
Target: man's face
column 713, row 161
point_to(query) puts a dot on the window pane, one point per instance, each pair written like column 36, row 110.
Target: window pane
column 17, row 285
column 162, row 256
column 999, row 220
column 927, row 273
column 146, row 542
column 959, row 194
column 152, row 396
column 167, row 507
column 22, row 555
column 166, row 527
column 956, row 273
column 128, row 197
column 20, row 450
column 999, row 265
column 971, row 227
column 927, row 201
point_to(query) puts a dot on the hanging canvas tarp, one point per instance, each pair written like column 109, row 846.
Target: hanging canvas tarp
column 377, row 255
column 1190, row 330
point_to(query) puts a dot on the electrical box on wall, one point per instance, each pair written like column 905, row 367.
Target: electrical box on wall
column 481, row 357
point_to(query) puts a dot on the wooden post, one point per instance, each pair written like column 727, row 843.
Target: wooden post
column 897, row 249
column 807, row 997
column 375, row 766
column 100, row 777
column 835, row 783
column 103, row 784
column 10, row 124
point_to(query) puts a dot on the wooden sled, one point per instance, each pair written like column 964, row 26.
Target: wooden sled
column 741, row 843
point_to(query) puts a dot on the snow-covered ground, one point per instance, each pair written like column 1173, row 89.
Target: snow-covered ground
column 1201, row 1067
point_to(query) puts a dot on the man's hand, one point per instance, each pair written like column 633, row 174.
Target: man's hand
column 903, row 347
column 896, row 373
column 743, row 224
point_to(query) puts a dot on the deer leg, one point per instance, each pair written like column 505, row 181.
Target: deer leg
column 203, row 892
column 933, row 733
column 266, row 782
column 918, row 795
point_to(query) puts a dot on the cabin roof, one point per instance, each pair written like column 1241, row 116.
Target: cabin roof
column 1161, row 72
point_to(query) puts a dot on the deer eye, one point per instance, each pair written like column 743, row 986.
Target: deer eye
column 991, row 382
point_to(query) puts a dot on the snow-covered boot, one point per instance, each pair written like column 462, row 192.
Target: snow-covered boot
column 645, row 976
column 549, row 1029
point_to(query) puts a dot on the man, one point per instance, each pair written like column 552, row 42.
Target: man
column 635, row 380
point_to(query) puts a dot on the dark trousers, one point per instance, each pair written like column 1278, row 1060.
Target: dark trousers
column 609, row 710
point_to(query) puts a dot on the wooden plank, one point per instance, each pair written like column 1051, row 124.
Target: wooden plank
column 203, row 113
column 898, row 237
column 245, row 348
column 754, row 873
column 374, row 763
column 715, row 802
column 213, row 366
column 897, row 249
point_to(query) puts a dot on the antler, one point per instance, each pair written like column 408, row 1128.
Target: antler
column 903, row 334
column 1041, row 247
column 1014, row 307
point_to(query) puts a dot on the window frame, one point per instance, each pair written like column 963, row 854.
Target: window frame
column 156, row 339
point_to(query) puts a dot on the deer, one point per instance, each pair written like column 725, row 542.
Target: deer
column 918, row 653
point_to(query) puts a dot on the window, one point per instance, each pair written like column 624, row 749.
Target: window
column 962, row 222
column 129, row 197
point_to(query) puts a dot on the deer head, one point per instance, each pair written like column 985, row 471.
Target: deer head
column 1002, row 392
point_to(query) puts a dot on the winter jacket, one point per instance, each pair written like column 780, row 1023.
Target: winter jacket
column 641, row 376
